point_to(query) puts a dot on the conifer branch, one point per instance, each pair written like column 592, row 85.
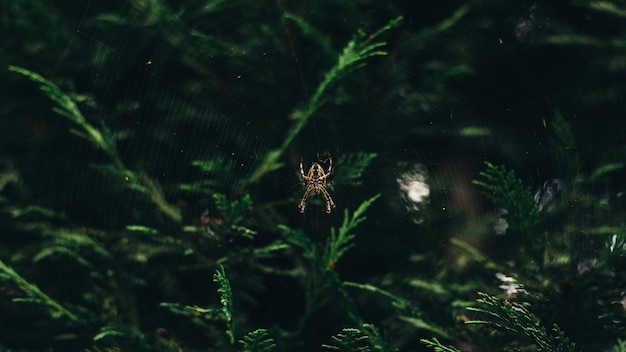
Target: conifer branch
column 103, row 140
column 340, row 240
column 349, row 340
column 258, row 340
column 506, row 190
column 33, row 293
column 361, row 47
column 353, row 166
column 226, row 299
column 517, row 319
column 437, row 346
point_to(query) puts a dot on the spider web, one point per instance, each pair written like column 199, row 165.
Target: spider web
column 171, row 110
column 198, row 94
column 221, row 82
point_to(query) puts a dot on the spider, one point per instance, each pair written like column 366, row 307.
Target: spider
column 315, row 181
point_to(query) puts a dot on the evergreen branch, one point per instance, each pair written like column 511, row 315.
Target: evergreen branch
column 564, row 145
column 378, row 342
column 361, row 47
column 114, row 337
column 607, row 7
column 74, row 253
column 226, row 298
column 620, row 346
column 340, row 240
column 580, row 40
column 301, row 240
column 563, row 130
column 142, row 229
column 506, row 190
column 367, row 338
column 437, row 346
column 354, row 164
column 233, row 214
column 349, row 340
column 516, row 318
column 67, row 107
column 477, row 255
column 34, row 295
column 309, row 30
column 166, row 243
column 213, row 175
column 604, row 169
column 17, row 212
column 102, row 140
column 324, row 257
column 397, row 301
column 268, row 250
column 420, row 323
column 74, row 240
column 258, row 341
column 9, row 174
column 191, row 311
column 427, row 34
column 225, row 312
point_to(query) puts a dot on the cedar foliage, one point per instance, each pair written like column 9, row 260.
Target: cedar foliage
column 149, row 176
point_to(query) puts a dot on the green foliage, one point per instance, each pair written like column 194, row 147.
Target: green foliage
column 208, row 314
column 226, row 299
column 340, row 240
column 233, row 213
column 366, row 339
column 214, row 169
column 101, row 139
column 67, row 108
column 476, row 255
column 32, row 294
column 349, row 340
column 227, row 219
column 132, row 338
column 361, row 47
column 310, row 31
column 514, row 317
column 181, row 114
column 620, row 346
column 553, row 259
column 353, row 165
column 258, row 341
column 59, row 244
column 564, row 145
column 398, row 302
column 377, row 340
column 563, row 131
column 437, row 346
column 337, row 244
column 324, row 257
column 573, row 36
column 506, row 190
column 200, row 315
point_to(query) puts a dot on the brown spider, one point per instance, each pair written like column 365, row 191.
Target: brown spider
column 315, row 181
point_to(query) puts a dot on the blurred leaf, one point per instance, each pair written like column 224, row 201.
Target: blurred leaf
column 516, row 318
column 258, row 341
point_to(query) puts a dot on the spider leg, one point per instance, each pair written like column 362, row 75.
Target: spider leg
column 302, row 205
column 330, row 166
column 329, row 201
column 323, row 177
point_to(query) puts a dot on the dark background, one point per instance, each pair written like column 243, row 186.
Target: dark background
column 174, row 82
